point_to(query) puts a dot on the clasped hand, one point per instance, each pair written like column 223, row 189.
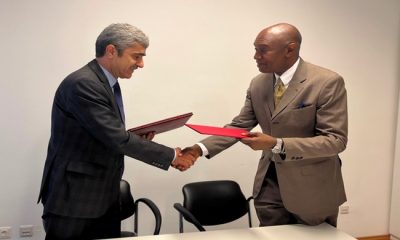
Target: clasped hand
column 185, row 158
column 259, row 141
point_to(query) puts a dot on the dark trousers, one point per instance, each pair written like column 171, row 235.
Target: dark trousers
column 61, row 227
column 271, row 211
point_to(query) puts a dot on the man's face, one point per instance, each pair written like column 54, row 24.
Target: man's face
column 270, row 54
column 130, row 59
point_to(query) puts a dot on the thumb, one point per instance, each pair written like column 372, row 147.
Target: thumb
column 250, row 134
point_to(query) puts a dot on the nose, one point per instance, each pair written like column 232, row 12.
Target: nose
column 257, row 56
column 140, row 63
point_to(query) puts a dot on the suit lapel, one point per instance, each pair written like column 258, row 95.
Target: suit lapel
column 100, row 74
column 295, row 86
column 95, row 67
column 269, row 90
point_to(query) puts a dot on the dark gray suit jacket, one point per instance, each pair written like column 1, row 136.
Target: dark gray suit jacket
column 86, row 150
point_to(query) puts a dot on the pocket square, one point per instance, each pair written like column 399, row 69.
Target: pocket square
column 303, row 105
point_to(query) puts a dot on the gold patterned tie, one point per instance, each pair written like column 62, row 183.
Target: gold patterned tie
column 278, row 91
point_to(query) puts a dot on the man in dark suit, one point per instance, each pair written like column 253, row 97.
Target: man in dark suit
column 302, row 111
column 85, row 159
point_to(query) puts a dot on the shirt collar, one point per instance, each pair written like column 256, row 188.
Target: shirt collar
column 287, row 76
column 111, row 79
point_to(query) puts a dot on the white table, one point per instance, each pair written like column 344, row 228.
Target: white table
column 283, row 232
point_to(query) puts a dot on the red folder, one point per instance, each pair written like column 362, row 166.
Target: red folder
column 218, row 131
column 162, row 125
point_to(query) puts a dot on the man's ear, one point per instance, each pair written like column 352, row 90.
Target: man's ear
column 110, row 50
column 291, row 49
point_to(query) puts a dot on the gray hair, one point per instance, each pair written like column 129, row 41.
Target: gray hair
column 122, row 36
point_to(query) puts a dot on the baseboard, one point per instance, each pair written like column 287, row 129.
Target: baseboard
column 382, row 237
column 394, row 237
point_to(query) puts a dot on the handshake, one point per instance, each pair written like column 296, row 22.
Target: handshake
column 186, row 158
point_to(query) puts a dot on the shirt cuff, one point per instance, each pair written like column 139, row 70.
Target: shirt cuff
column 203, row 149
column 174, row 155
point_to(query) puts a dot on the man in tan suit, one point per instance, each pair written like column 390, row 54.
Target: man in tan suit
column 304, row 128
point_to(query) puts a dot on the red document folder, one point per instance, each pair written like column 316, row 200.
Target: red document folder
column 162, row 125
column 218, row 131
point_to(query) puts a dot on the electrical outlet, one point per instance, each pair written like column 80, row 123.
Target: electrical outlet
column 26, row 231
column 5, row 232
column 344, row 209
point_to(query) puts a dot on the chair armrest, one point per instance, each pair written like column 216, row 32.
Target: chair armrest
column 248, row 203
column 189, row 216
column 153, row 207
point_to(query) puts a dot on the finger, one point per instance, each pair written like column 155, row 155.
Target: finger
column 178, row 152
column 189, row 164
column 178, row 167
column 173, row 164
column 182, row 168
column 245, row 134
column 250, row 134
column 151, row 135
column 186, row 164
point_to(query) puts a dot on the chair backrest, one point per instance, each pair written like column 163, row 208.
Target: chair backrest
column 213, row 203
column 127, row 202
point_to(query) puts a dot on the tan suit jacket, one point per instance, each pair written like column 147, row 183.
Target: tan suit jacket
column 312, row 120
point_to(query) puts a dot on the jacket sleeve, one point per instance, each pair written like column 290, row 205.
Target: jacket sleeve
column 245, row 120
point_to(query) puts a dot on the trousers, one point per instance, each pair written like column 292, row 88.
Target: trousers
column 271, row 210
column 67, row 228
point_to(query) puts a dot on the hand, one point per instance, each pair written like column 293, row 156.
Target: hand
column 182, row 161
column 149, row 136
column 194, row 151
column 259, row 141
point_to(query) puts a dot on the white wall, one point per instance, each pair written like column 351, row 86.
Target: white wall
column 200, row 60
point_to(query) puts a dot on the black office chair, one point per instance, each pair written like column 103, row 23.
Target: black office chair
column 129, row 207
column 212, row 203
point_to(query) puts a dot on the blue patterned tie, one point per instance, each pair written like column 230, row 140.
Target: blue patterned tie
column 118, row 98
